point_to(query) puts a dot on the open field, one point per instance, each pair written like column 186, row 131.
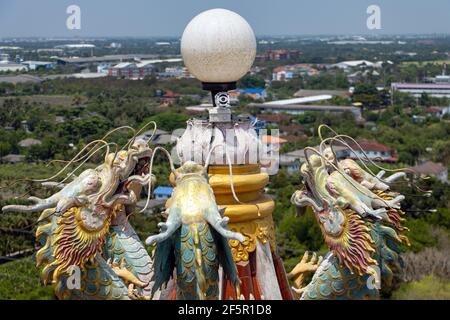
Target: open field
column 53, row 100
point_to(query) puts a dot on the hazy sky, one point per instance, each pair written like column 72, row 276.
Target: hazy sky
column 143, row 18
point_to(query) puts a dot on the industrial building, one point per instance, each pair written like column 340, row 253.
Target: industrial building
column 301, row 109
column 12, row 67
column 437, row 90
column 115, row 58
column 35, row 65
column 131, row 70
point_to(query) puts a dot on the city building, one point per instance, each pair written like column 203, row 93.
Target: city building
column 4, row 58
column 163, row 192
column 433, row 169
column 12, row 67
column 274, row 119
column 373, row 150
column 160, row 137
column 254, row 93
column 283, row 54
column 76, row 46
column 285, row 73
column 303, row 93
column 131, row 70
column 357, row 63
column 437, row 90
column 115, row 58
column 341, row 152
column 103, row 68
column 175, row 72
column 437, row 112
column 301, row 109
column 292, row 129
column 35, row 65
column 442, row 79
column 258, row 124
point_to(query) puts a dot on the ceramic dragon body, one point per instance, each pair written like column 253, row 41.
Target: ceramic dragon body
column 84, row 231
column 194, row 239
column 360, row 220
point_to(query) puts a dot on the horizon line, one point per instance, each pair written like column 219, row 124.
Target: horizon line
column 257, row 36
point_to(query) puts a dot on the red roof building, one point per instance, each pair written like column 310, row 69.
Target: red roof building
column 433, row 169
column 295, row 138
column 373, row 150
column 274, row 118
column 283, row 54
column 291, row 130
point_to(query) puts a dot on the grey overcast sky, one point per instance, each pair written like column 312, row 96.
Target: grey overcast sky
column 144, row 18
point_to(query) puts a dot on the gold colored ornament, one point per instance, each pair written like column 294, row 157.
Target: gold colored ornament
column 262, row 230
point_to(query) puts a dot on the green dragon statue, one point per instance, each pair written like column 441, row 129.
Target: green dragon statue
column 194, row 239
column 88, row 250
column 361, row 223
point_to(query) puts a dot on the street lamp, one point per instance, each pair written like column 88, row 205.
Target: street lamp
column 218, row 47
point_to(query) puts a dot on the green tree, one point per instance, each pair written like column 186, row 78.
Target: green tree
column 368, row 95
column 252, row 81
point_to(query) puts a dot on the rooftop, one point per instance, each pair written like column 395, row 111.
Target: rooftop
column 437, row 86
column 162, row 190
column 295, row 138
column 367, row 145
column 307, row 93
column 292, row 128
column 13, row 158
column 273, row 140
column 433, row 110
column 116, row 57
column 252, row 91
column 274, row 117
column 20, row 79
column 305, row 107
column 429, row 167
column 29, row 142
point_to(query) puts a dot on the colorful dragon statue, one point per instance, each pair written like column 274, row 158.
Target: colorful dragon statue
column 88, row 249
column 361, row 223
column 194, row 239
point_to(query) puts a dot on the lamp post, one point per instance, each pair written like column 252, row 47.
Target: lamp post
column 218, row 47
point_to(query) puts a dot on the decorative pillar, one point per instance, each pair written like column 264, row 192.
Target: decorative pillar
column 218, row 48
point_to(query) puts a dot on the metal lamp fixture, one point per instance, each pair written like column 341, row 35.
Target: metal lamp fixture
column 218, row 47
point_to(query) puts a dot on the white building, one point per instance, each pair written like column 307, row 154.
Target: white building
column 4, row 58
column 175, row 72
column 34, row 65
column 437, row 90
column 354, row 63
column 301, row 109
column 12, row 67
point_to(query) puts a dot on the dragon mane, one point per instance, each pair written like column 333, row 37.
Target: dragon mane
column 363, row 243
column 67, row 242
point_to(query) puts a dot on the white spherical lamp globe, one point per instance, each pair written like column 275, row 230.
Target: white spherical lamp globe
column 218, row 46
